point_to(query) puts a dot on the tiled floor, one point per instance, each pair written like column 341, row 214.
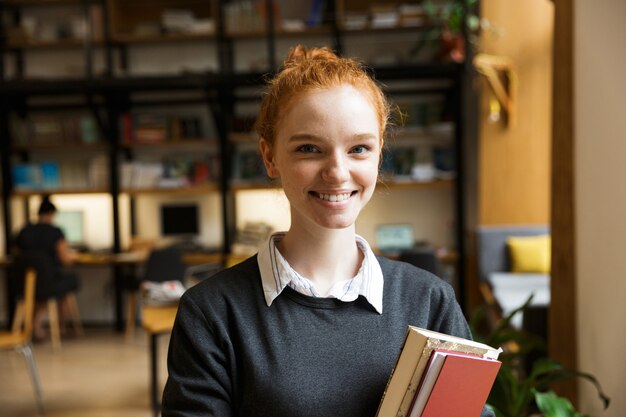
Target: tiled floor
column 101, row 374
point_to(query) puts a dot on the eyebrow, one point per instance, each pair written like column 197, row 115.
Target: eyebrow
column 304, row 137
column 301, row 137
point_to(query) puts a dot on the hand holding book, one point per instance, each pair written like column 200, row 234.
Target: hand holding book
column 439, row 375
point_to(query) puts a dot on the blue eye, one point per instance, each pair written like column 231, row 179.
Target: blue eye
column 359, row 149
column 307, row 149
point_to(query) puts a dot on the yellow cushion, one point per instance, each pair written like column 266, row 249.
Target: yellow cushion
column 529, row 253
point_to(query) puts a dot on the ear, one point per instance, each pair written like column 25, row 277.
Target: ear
column 268, row 159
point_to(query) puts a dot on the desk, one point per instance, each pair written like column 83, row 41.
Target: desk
column 156, row 321
column 118, row 262
column 133, row 260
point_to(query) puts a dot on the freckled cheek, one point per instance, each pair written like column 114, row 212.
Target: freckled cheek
column 367, row 174
column 300, row 177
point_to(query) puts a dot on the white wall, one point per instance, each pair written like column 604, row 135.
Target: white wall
column 97, row 214
column 600, row 149
column 148, row 211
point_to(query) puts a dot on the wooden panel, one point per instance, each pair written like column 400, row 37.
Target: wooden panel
column 514, row 162
column 562, row 319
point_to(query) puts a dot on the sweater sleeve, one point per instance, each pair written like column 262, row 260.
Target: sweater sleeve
column 199, row 379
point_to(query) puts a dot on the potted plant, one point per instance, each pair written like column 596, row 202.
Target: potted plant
column 524, row 389
column 448, row 20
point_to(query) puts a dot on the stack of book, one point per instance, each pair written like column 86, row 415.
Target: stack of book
column 51, row 129
column 439, row 375
column 91, row 173
column 151, row 128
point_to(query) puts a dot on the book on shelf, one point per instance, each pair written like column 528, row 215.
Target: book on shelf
column 98, row 172
column 36, row 176
column 319, row 14
column 150, row 128
column 50, row 177
column 55, row 129
column 172, row 171
column 467, row 370
column 398, row 161
column 26, row 176
column 248, row 165
column 88, row 127
column 46, row 129
column 74, row 175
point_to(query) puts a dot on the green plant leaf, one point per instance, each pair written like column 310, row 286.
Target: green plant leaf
column 518, row 394
column 552, row 405
column 547, row 371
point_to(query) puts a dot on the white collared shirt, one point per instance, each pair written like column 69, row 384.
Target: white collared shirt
column 276, row 274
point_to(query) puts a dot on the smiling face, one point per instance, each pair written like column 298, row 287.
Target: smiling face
column 326, row 153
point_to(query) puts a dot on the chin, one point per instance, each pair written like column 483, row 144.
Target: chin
column 336, row 224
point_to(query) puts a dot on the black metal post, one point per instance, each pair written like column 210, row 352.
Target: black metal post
column 154, row 375
column 270, row 31
column 88, row 41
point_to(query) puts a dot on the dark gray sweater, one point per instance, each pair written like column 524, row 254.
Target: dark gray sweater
column 232, row 355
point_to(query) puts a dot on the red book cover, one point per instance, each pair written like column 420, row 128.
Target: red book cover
column 462, row 387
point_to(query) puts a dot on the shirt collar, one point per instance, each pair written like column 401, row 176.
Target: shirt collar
column 276, row 274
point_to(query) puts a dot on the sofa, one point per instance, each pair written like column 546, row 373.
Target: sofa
column 495, row 268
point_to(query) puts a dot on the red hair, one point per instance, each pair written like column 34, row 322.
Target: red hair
column 306, row 70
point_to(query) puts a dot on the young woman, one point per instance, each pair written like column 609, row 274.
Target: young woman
column 46, row 243
column 311, row 325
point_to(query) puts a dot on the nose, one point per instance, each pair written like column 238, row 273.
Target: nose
column 336, row 168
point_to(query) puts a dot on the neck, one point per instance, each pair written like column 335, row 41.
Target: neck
column 45, row 218
column 325, row 256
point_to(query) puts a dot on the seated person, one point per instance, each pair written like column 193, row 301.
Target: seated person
column 46, row 242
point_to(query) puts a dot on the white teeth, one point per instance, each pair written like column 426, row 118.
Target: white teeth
column 333, row 198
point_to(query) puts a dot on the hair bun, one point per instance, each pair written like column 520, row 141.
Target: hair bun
column 299, row 53
column 46, row 205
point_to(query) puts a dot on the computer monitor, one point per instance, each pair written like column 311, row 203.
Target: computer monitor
column 394, row 237
column 179, row 220
column 72, row 222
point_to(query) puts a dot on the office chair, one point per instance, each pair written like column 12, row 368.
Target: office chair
column 45, row 290
column 423, row 258
column 19, row 338
column 164, row 264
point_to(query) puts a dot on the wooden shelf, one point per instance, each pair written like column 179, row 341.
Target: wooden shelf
column 192, row 189
column 415, row 185
column 252, row 186
column 208, row 144
column 54, row 45
column 90, row 147
column 60, row 191
column 308, row 32
column 207, row 80
column 386, row 184
column 384, row 30
column 44, row 3
column 243, row 138
column 407, row 135
column 163, row 38
column 281, row 33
